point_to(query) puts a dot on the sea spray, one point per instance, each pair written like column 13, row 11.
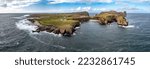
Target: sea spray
column 57, row 35
column 26, row 25
column 21, row 17
column 77, row 27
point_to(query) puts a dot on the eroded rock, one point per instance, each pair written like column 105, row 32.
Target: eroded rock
column 112, row 16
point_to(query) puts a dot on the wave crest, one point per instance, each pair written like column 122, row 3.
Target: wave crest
column 129, row 26
column 26, row 25
column 21, row 17
column 30, row 27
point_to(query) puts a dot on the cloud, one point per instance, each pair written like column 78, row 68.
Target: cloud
column 74, row 1
column 129, row 9
column 91, row 1
column 78, row 9
column 15, row 6
column 83, row 8
column 16, row 3
column 99, row 9
column 140, row 1
column 10, row 10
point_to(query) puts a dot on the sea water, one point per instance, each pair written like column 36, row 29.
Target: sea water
column 16, row 35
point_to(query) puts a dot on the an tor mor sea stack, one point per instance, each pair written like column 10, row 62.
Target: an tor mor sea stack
column 108, row 17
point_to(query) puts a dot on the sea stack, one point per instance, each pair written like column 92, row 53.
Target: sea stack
column 108, row 17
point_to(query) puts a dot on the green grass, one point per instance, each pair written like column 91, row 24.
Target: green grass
column 60, row 20
column 56, row 22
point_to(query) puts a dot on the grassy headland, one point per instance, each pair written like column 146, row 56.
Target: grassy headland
column 61, row 23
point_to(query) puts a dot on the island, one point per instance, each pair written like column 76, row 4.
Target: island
column 108, row 17
column 65, row 23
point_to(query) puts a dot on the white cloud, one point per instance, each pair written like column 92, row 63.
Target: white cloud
column 83, row 9
column 139, row 0
column 10, row 10
column 16, row 3
column 9, row 6
column 131, row 1
column 73, row 1
column 90, row 1
column 129, row 8
column 99, row 9
column 78, row 9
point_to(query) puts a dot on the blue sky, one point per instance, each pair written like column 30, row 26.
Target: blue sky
column 56, row 6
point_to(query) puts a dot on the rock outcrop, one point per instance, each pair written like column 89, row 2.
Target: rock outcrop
column 112, row 16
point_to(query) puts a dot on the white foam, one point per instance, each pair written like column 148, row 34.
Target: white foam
column 77, row 27
column 26, row 15
column 74, row 33
column 21, row 17
column 26, row 25
column 129, row 26
column 93, row 20
column 57, row 35
column 59, row 46
column 17, row 17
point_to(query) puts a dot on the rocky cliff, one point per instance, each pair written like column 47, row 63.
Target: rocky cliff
column 112, row 16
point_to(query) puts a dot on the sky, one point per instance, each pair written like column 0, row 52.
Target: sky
column 63, row 6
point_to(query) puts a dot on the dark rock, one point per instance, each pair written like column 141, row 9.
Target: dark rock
column 56, row 31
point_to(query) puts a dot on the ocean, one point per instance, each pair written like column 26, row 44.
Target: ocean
column 16, row 36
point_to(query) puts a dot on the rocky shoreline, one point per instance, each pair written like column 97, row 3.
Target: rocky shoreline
column 65, row 23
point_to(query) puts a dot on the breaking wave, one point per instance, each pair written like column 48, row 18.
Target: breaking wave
column 129, row 26
column 21, row 17
column 58, row 35
column 26, row 25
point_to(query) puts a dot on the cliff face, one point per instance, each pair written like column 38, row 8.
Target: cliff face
column 112, row 16
column 62, row 23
